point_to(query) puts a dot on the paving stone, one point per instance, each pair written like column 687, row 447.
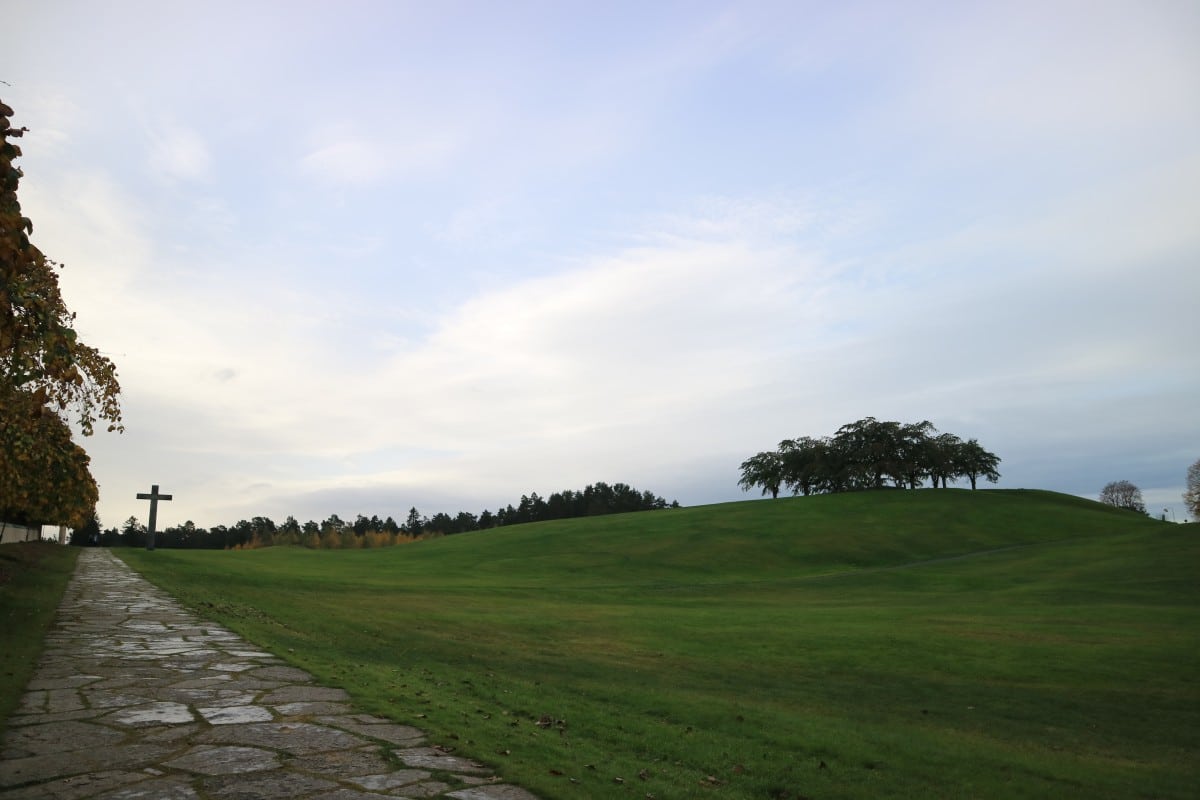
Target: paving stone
column 428, row 758
column 202, row 682
column 225, row 760
column 57, row 737
column 273, row 785
column 43, row 768
column 305, row 694
column 66, row 681
column 161, row 789
column 297, row 738
column 234, row 715
column 391, row 780
column 168, row 733
column 40, row 719
column 348, row 763
column 499, row 791
column 74, row 788
column 310, row 709
column 32, row 702
column 60, row 700
column 106, row 699
column 211, row 697
column 382, row 730
column 153, row 714
column 426, row 789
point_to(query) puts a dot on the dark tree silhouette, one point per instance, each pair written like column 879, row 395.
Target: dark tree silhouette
column 1123, row 494
column 869, row 454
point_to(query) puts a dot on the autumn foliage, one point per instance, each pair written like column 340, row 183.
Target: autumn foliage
column 48, row 377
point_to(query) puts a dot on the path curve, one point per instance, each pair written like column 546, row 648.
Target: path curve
column 136, row 697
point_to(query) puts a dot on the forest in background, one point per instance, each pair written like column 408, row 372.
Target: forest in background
column 335, row 533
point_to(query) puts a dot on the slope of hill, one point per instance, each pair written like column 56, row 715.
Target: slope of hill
column 932, row 643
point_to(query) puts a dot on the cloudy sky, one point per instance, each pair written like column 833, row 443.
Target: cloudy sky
column 355, row 257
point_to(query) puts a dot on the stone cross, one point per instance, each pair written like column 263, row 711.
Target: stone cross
column 153, row 497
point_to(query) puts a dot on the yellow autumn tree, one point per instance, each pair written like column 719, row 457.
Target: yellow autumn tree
column 48, row 377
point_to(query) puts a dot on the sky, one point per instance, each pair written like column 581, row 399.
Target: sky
column 358, row 257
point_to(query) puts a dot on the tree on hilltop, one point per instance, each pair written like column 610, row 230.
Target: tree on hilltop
column 1123, row 494
column 869, row 454
column 941, row 453
column 1191, row 496
column 973, row 462
column 762, row 469
column 802, row 461
column 48, row 377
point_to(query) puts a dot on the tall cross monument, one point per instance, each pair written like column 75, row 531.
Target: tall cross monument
column 153, row 497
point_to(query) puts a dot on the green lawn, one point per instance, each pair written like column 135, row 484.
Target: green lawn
column 32, row 579
column 887, row 644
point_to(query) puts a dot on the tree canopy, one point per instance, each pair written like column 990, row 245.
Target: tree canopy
column 48, row 377
column 869, row 454
column 1123, row 494
column 1191, row 495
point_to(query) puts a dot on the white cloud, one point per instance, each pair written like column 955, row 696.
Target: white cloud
column 343, row 156
column 88, row 222
column 179, row 153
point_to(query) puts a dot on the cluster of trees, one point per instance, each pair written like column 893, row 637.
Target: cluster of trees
column 869, row 454
column 1123, row 494
column 48, row 377
column 595, row 500
column 336, row 533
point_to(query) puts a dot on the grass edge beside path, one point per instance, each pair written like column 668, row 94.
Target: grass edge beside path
column 33, row 578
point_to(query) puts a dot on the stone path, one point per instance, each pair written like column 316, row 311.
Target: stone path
column 137, row 698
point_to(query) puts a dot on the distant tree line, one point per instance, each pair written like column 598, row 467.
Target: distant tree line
column 336, row 533
column 869, row 454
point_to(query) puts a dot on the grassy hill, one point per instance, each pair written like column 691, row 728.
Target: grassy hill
column 898, row 644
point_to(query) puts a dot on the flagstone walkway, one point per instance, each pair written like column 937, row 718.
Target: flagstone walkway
column 136, row 697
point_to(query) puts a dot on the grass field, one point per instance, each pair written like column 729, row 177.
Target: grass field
column 32, row 579
column 945, row 644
